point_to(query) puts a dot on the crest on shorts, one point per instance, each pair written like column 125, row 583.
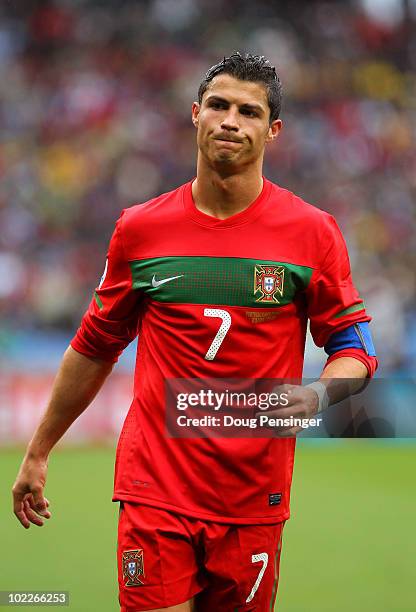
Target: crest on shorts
column 133, row 567
column 268, row 281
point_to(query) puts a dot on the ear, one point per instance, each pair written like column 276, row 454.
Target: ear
column 195, row 113
column 274, row 130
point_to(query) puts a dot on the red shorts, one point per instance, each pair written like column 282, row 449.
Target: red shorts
column 165, row 559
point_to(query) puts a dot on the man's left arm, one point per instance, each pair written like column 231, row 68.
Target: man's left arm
column 338, row 318
column 338, row 322
column 340, row 378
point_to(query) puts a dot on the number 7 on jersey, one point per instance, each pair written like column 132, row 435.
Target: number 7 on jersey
column 221, row 333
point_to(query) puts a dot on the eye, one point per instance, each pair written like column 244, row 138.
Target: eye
column 217, row 105
column 248, row 113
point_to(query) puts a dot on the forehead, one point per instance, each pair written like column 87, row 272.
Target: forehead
column 236, row 91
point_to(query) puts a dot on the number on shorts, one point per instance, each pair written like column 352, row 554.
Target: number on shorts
column 221, row 333
column 264, row 558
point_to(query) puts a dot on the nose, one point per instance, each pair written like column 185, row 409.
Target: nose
column 230, row 120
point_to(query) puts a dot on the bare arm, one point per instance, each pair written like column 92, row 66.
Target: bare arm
column 342, row 377
column 78, row 381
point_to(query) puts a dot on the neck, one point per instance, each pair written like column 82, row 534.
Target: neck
column 222, row 195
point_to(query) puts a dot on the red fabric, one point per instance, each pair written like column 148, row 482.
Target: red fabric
column 369, row 361
column 105, row 332
column 331, row 289
column 171, row 550
column 176, row 474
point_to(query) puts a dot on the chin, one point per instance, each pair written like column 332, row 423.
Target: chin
column 224, row 157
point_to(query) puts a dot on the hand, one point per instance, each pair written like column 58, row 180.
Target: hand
column 29, row 504
column 303, row 403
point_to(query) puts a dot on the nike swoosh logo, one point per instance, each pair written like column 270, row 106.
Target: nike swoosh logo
column 157, row 283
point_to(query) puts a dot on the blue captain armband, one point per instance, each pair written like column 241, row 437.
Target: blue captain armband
column 357, row 336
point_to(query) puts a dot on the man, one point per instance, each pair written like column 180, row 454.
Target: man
column 201, row 519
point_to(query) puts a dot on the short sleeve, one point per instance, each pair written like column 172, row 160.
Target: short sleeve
column 333, row 302
column 111, row 321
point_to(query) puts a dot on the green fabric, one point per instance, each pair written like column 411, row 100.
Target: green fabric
column 217, row 280
column 98, row 300
column 350, row 309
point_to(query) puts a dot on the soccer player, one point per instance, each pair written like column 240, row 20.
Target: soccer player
column 218, row 278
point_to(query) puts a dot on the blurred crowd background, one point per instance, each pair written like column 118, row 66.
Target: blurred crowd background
column 95, row 100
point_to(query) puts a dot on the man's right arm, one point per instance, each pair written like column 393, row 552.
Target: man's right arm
column 109, row 324
column 78, row 381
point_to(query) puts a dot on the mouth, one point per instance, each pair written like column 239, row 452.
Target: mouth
column 227, row 139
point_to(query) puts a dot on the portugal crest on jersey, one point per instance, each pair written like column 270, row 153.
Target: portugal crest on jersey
column 268, row 281
column 133, row 567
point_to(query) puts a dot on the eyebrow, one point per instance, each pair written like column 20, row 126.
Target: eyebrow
column 246, row 105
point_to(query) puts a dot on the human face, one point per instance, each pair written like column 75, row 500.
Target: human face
column 233, row 122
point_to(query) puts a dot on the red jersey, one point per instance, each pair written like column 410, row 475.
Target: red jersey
column 170, row 269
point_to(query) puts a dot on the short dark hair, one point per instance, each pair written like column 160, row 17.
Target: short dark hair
column 249, row 67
